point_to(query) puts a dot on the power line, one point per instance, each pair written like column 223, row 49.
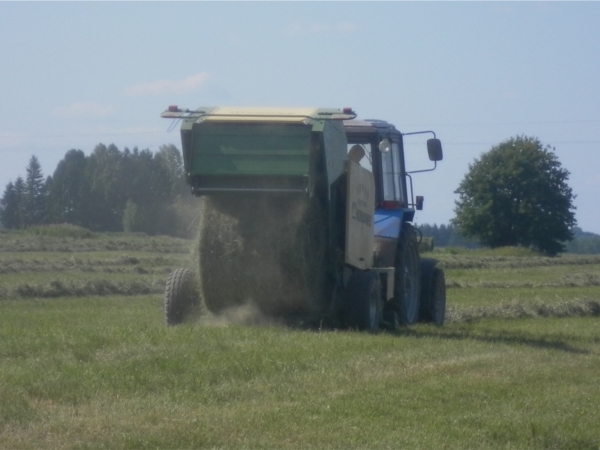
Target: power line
column 552, row 144
column 124, row 133
column 49, row 136
column 550, row 122
column 36, row 149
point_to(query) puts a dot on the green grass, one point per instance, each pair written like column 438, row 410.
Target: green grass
column 106, row 373
column 26, row 241
column 64, row 230
column 103, row 371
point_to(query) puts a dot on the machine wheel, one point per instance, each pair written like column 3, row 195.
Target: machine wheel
column 390, row 320
column 181, row 293
column 433, row 292
column 363, row 301
column 438, row 301
column 407, row 278
column 427, row 266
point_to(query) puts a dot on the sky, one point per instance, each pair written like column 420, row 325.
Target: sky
column 76, row 74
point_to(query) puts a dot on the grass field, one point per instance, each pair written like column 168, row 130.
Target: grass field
column 86, row 361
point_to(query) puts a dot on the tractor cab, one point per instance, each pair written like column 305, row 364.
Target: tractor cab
column 378, row 146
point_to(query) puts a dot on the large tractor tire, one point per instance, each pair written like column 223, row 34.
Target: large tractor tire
column 407, row 277
column 181, row 294
column 267, row 250
column 363, row 309
column 433, row 293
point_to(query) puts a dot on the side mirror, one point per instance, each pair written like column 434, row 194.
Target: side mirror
column 434, row 149
column 419, row 203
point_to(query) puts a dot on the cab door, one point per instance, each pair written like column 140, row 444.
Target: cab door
column 393, row 184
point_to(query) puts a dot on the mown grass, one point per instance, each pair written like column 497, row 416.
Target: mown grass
column 87, row 262
column 92, row 372
column 108, row 374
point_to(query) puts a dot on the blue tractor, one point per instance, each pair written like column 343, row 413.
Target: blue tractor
column 307, row 213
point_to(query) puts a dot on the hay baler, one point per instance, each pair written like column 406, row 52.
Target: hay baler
column 307, row 214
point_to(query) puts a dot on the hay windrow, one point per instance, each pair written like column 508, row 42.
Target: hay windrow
column 122, row 242
column 269, row 250
column 496, row 262
column 121, row 264
column 575, row 280
column 72, row 288
column 513, row 310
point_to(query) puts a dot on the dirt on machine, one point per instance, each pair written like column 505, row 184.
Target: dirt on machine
column 307, row 215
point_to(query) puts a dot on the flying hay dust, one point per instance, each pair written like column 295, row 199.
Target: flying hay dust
column 265, row 250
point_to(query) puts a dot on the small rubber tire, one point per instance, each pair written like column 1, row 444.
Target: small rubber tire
column 363, row 306
column 181, row 294
column 407, row 277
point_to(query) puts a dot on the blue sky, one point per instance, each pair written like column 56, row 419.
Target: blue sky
column 76, row 74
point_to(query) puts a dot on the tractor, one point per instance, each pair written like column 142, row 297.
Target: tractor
column 307, row 213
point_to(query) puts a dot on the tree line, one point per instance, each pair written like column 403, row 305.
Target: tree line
column 446, row 236
column 449, row 236
column 516, row 194
column 109, row 190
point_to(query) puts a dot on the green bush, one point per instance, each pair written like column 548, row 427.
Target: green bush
column 426, row 245
column 63, row 230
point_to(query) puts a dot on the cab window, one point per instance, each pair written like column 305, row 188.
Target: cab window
column 362, row 154
column 390, row 171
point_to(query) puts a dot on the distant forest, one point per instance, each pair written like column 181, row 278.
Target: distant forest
column 141, row 191
column 448, row 236
column 109, row 190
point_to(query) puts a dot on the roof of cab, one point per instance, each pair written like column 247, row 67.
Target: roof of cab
column 367, row 126
column 230, row 113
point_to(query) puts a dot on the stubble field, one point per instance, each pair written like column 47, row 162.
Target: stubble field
column 86, row 361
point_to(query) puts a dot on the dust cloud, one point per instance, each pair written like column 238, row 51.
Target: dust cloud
column 262, row 257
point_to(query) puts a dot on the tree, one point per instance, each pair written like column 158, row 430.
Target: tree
column 20, row 194
column 170, row 159
column 9, row 207
column 584, row 242
column 35, row 194
column 152, row 184
column 12, row 210
column 517, row 195
column 108, row 181
column 69, row 193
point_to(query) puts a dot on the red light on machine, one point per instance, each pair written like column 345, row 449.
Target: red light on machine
column 390, row 204
column 173, row 108
column 347, row 111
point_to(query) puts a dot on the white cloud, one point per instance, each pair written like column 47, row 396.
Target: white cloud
column 189, row 84
column 299, row 28
column 84, row 109
column 11, row 140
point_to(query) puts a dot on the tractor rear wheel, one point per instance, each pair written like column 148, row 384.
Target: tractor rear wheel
column 407, row 277
column 181, row 294
column 363, row 301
